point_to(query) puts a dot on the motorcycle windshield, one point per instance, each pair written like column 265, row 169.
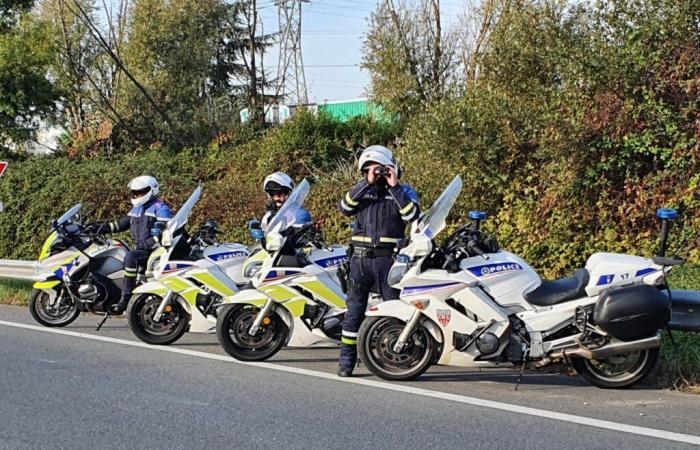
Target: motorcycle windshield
column 68, row 215
column 433, row 222
column 180, row 219
column 288, row 213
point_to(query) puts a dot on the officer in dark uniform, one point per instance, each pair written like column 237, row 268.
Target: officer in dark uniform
column 382, row 207
column 147, row 210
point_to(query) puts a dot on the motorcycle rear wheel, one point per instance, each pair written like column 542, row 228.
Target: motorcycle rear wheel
column 232, row 328
column 619, row 371
column 59, row 316
column 171, row 326
column 376, row 340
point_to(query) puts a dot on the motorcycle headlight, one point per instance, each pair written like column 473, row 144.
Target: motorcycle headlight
column 396, row 273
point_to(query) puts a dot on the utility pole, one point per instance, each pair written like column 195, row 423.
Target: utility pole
column 290, row 68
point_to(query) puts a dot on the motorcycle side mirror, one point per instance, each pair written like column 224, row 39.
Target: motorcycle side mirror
column 158, row 228
column 255, row 228
column 666, row 215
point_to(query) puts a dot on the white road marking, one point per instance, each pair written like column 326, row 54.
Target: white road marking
column 580, row 420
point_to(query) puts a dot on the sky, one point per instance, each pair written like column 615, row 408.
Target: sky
column 332, row 35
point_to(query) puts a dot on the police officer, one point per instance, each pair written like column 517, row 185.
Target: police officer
column 382, row 206
column 278, row 186
column 147, row 210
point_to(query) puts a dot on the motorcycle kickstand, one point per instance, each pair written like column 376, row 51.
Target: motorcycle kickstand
column 102, row 322
column 522, row 371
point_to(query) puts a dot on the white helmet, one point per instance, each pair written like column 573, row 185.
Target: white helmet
column 142, row 189
column 376, row 154
column 278, row 181
column 380, row 155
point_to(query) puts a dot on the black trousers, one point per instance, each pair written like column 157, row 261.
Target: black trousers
column 132, row 261
column 366, row 273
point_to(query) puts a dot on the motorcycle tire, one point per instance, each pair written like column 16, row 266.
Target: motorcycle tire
column 172, row 325
column 620, row 371
column 375, row 342
column 38, row 308
column 232, row 327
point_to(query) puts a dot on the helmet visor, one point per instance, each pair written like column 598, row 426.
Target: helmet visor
column 272, row 188
column 140, row 192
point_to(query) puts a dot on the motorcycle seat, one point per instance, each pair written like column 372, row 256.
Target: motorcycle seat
column 552, row 292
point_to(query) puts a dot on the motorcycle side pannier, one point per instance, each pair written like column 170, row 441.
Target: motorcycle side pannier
column 633, row 312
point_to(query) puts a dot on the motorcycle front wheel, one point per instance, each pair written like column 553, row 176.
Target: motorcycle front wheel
column 63, row 311
column 171, row 326
column 375, row 343
column 619, row 371
column 232, row 329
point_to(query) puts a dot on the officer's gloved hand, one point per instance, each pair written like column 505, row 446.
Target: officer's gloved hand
column 95, row 228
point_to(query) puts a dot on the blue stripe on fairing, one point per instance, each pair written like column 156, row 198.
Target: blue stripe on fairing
column 645, row 271
column 420, row 289
column 275, row 274
column 333, row 261
column 605, row 279
column 172, row 267
column 227, row 255
column 494, row 269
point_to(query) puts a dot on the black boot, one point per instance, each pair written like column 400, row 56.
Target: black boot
column 344, row 371
column 120, row 306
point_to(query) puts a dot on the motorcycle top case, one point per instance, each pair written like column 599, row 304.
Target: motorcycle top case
column 633, row 312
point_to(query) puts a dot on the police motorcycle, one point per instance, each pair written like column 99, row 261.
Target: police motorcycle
column 297, row 298
column 468, row 303
column 189, row 277
column 81, row 271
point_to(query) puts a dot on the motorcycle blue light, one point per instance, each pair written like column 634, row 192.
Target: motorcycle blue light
column 666, row 213
column 257, row 234
column 478, row 215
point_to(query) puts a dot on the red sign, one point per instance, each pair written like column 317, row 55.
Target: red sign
column 3, row 166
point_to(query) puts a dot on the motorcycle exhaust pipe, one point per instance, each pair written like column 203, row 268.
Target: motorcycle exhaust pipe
column 615, row 348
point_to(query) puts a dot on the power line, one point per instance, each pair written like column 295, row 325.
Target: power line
column 335, row 15
column 325, row 65
column 334, row 31
column 333, row 6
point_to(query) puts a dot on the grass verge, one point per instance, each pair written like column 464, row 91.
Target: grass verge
column 679, row 365
column 14, row 292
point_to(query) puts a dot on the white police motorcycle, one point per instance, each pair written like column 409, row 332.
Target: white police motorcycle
column 468, row 303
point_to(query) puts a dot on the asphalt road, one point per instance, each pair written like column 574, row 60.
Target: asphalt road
column 72, row 391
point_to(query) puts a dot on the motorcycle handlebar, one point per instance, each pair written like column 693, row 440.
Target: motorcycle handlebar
column 473, row 246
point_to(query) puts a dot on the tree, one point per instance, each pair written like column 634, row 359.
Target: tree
column 26, row 93
column 171, row 51
column 245, row 47
column 75, row 59
column 11, row 11
column 412, row 60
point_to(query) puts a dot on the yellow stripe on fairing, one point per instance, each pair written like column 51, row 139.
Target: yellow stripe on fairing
column 211, row 281
column 318, row 288
column 46, row 284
